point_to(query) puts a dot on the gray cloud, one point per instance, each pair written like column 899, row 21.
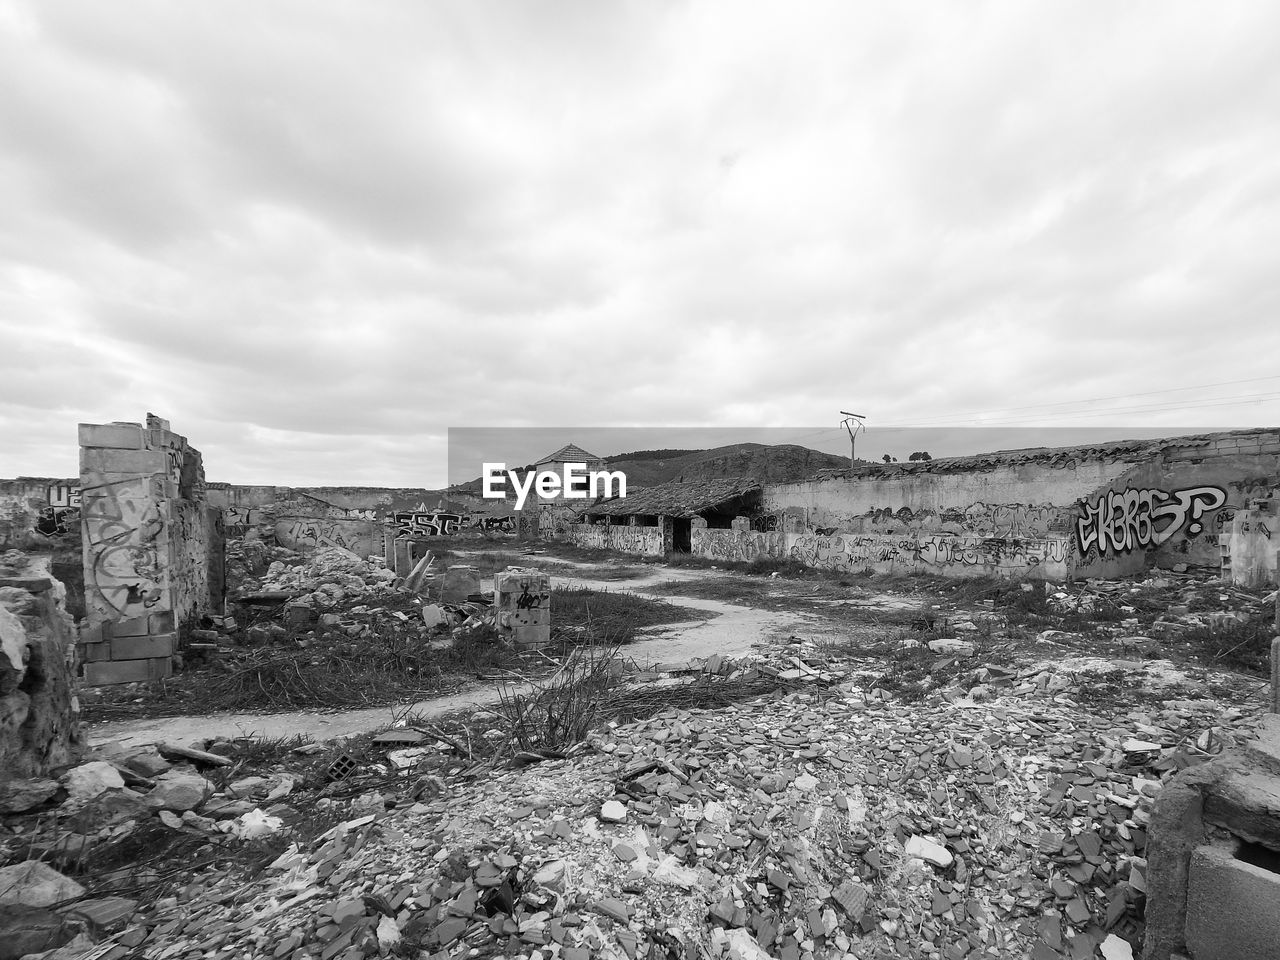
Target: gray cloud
column 315, row 235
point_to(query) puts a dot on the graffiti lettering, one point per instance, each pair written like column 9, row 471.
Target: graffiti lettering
column 63, row 495
column 433, row 524
column 304, row 533
column 526, row 600
column 504, row 524
column 57, row 521
column 1122, row 521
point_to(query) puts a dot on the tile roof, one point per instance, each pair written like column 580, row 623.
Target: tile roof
column 676, row 499
column 571, row 453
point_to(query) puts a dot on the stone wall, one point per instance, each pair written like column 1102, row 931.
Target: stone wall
column 39, row 715
column 152, row 548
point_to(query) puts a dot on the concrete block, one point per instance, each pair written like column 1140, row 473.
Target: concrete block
column 94, row 652
column 1231, row 907
column 122, row 462
column 91, row 633
column 127, row 671
column 133, row 627
column 117, row 436
column 161, row 622
column 1247, row 803
column 142, row 648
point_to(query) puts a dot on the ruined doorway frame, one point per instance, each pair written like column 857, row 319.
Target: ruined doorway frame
column 681, row 535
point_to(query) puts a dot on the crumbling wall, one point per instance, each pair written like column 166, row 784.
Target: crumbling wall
column 42, row 515
column 39, row 714
column 360, row 519
column 641, row 541
column 39, row 513
column 940, row 554
column 1252, row 543
column 1004, row 500
column 1119, row 512
column 152, row 557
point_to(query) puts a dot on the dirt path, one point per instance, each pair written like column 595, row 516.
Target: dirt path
column 733, row 632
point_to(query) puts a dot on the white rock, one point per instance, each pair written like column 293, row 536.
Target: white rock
column 89, row 779
column 922, row 848
column 388, row 932
column 1113, row 948
column 551, row 875
column 611, row 811
column 433, row 616
column 743, row 946
column 805, row 782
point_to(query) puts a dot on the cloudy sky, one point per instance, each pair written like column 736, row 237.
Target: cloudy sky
column 315, row 235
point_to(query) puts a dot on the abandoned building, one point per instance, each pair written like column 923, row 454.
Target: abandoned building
column 1205, row 503
column 661, row 519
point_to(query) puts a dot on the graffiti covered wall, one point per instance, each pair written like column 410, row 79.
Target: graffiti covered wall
column 942, row 554
column 360, row 519
column 39, row 514
column 1106, row 511
column 641, row 541
column 152, row 548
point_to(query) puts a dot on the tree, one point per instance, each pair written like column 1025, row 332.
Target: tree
column 920, row 455
column 886, row 458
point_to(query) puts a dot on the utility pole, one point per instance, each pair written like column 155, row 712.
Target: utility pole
column 853, row 423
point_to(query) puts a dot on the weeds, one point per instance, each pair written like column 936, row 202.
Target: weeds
column 560, row 711
column 614, row 617
column 767, row 566
column 1244, row 645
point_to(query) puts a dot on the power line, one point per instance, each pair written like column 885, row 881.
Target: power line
column 1066, row 403
column 1258, row 398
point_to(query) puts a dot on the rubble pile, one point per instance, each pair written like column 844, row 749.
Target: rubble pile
column 325, row 579
column 794, row 827
column 105, row 804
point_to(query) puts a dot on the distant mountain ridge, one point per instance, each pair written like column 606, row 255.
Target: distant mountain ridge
column 768, row 463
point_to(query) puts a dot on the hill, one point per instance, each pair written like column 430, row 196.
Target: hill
column 777, row 463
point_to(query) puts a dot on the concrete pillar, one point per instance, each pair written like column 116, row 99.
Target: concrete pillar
column 522, row 599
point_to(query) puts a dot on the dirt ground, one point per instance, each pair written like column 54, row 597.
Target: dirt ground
column 813, row 766
column 733, row 631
